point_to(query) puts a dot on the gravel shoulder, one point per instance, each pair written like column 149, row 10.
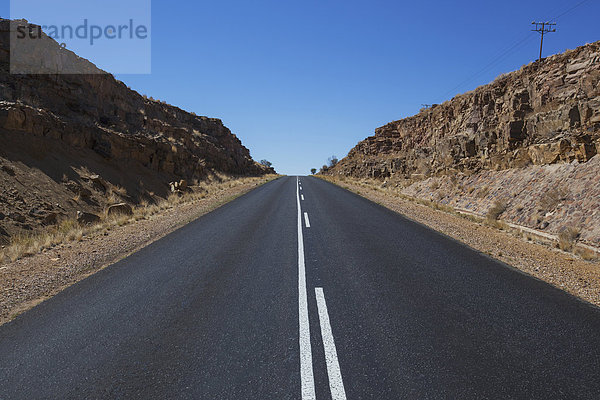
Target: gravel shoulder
column 30, row 280
column 561, row 269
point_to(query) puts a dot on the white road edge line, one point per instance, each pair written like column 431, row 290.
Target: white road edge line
column 302, row 196
column 306, row 220
column 336, row 384
column 306, row 366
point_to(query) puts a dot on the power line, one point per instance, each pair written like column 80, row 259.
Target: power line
column 492, row 63
column 511, row 49
column 569, row 10
column 543, row 27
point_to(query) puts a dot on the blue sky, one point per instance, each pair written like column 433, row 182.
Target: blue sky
column 298, row 81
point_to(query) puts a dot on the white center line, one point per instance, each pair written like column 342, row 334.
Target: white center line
column 306, row 367
column 306, row 220
column 302, row 196
column 336, row 384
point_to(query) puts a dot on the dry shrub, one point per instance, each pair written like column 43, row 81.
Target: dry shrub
column 483, row 192
column 586, row 254
column 496, row 210
column 567, row 238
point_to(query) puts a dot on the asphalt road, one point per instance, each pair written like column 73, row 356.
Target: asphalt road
column 340, row 298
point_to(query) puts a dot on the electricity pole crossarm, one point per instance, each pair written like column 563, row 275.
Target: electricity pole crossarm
column 543, row 27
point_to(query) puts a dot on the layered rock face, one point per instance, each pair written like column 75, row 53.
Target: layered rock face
column 79, row 135
column 97, row 112
column 547, row 112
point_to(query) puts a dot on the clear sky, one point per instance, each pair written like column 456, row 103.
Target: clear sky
column 298, row 81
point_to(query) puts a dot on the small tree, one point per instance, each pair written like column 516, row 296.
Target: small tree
column 313, row 171
column 266, row 163
column 331, row 161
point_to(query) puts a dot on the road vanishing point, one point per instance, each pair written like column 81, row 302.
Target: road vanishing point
column 300, row 289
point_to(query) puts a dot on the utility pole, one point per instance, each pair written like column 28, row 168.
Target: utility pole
column 543, row 27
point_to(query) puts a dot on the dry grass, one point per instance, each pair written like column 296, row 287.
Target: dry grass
column 120, row 190
column 567, row 238
column 586, row 254
column 501, row 225
column 25, row 245
column 69, row 230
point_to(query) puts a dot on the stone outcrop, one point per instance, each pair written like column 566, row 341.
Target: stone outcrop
column 119, row 209
column 85, row 218
column 97, row 112
column 547, row 112
column 81, row 142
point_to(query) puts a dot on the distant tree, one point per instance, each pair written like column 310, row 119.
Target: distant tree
column 313, row 171
column 331, row 161
column 266, row 163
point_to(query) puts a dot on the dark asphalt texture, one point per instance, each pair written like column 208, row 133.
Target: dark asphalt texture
column 211, row 312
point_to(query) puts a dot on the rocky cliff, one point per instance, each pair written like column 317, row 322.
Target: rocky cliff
column 547, row 112
column 79, row 134
column 525, row 145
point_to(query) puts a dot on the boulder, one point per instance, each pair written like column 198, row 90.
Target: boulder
column 120, row 208
column 85, row 218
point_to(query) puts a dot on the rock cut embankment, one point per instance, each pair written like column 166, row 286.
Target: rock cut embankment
column 69, row 139
column 527, row 143
column 547, row 112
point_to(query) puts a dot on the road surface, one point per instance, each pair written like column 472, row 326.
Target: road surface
column 300, row 290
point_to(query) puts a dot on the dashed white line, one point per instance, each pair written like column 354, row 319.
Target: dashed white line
column 306, row 367
column 302, row 196
column 336, row 384
column 306, row 220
